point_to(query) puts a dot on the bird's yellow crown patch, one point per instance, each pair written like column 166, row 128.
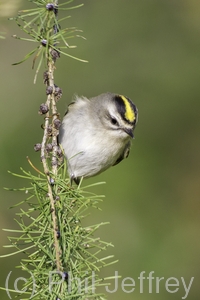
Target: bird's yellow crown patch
column 129, row 113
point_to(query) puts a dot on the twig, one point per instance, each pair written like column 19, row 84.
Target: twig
column 51, row 105
column 54, row 161
column 44, row 141
column 54, row 117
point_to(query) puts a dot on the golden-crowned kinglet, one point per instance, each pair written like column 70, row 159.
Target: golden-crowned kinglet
column 96, row 133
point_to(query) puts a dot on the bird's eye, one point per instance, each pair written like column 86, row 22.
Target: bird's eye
column 114, row 121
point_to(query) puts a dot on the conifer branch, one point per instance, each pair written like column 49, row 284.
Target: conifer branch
column 55, row 244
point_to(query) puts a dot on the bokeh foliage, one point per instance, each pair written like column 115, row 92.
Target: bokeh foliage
column 149, row 51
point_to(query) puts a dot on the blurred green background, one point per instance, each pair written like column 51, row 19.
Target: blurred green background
column 149, row 51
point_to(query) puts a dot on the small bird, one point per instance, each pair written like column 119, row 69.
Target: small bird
column 96, row 133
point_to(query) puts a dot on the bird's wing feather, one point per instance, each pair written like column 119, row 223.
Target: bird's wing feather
column 124, row 154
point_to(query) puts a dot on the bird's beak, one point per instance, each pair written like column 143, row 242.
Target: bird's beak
column 129, row 132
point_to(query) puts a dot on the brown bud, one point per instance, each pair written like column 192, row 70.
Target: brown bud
column 58, row 92
column 49, row 90
column 43, row 109
column 57, row 123
column 59, row 152
column 49, row 147
column 50, row 6
column 44, row 42
column 37, row 147
column 55, row 54
column 46, row 78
